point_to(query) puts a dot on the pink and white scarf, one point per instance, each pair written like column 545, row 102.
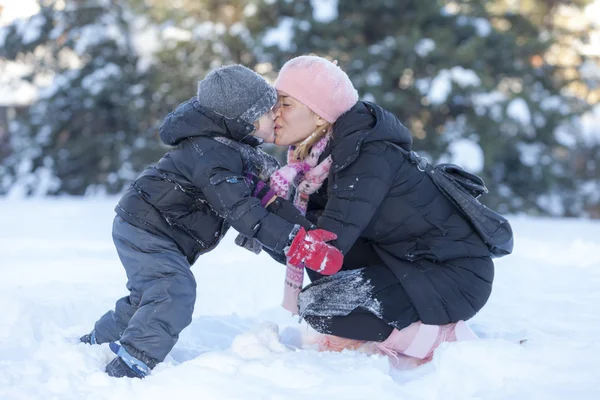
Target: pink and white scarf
column 307, row 177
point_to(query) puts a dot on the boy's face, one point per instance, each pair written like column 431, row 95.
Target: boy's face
column 265, row 127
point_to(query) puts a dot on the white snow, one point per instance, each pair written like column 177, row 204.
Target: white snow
column 482, row 26
column 450, row 8
column 489, row 103
column 3, row 35
column 146, row 41
column 176, row 34
column 439, row 88
column 518, row 110
column 554, row 103
column 13, row 89
column 468, row 154
column 250, row 10
column 464, row 77
column 565, row 136
column 209, row 30
column 60, row 272
column 89, row 35
column 373, row 78
column 96, row 81
column 590, row 71
column 590, row 123
column 424, row 46
column 530, row 153
column 281, row 35
column 30, row 29
column 593, row 11
column 381, row 48
column 60, row 82
column 13, row 9
column 324, row 10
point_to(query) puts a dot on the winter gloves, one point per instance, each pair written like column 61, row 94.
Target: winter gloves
column 311, row 250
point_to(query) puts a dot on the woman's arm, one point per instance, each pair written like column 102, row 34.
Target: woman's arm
column 355, row 193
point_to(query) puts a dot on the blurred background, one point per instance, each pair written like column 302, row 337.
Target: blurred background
column 509, row 89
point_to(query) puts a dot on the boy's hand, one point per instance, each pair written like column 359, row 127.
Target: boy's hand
column 251, row 180
column 309, row 248
column 261, row 190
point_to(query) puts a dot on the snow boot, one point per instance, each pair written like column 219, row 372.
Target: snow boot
column 89, row 338
column 125, row 365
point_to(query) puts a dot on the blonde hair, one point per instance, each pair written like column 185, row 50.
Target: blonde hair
column 303, row 149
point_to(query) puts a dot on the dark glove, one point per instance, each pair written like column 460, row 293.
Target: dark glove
column 259, row 189
column 248, row 243
column 285, row 209
column 309, row 249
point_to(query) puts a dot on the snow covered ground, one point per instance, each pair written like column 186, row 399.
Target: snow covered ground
column 59, row 272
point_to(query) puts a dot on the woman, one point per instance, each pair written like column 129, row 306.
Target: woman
column 413, row 269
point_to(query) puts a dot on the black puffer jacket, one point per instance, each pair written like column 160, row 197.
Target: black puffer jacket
column 197, row 190
column 384, row 210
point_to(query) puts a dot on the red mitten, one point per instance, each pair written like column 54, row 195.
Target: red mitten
column 309, row 248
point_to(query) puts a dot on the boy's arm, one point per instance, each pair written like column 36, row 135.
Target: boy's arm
column 229, row 195
column 219, row 174
column 226, row 191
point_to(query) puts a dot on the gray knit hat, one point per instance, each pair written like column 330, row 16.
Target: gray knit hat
column 236, row 92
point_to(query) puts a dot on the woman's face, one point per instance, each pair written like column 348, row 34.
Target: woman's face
column 294, row 121
column 265, row 127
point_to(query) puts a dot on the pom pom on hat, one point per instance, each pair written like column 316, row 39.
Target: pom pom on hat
column 319, row 84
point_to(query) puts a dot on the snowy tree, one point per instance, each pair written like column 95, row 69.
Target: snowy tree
column 88, row 125
column 497, row 86
column 192, row 39
column 116, row 69
column 462, row 75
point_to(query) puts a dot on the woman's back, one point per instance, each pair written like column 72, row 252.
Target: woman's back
column 407, row 215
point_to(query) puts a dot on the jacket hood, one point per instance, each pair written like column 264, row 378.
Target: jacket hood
column 364, row 123
column 190, row 119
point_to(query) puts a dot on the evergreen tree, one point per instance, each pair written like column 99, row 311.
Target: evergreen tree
column 83, row 131
column 117, row 69
column 489, row 76
column 194, row 38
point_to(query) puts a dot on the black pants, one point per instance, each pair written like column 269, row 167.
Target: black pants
column 362, row 304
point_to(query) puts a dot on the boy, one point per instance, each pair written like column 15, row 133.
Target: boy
column 182, row 207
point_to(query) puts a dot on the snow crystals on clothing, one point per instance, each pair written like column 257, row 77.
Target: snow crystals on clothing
column 348, row 288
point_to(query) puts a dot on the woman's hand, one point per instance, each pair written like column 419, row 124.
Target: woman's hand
column 309, row 248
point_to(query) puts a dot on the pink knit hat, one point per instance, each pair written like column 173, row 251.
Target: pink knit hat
column 319, row 84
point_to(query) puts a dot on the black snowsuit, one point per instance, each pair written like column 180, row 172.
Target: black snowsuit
column 409, row 254
column 172, row 213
